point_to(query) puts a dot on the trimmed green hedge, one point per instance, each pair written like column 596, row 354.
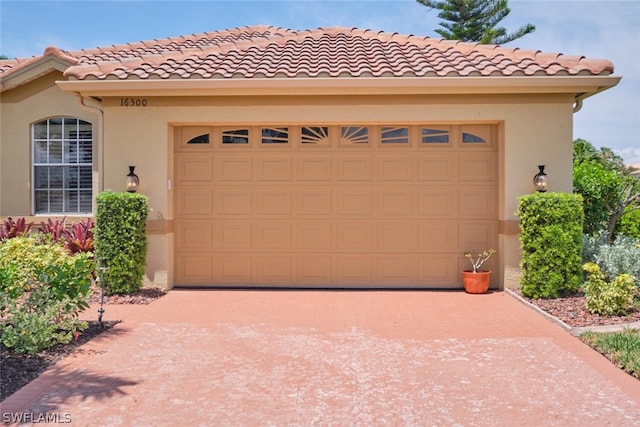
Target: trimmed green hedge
column 551, row 242
column 121, row 240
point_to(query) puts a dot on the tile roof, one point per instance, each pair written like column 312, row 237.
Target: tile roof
column 272, row 52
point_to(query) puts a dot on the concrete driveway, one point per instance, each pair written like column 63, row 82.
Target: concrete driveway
column 332, row 358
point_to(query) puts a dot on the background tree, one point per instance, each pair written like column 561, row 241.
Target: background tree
column 3, row 57
column 610, row 192
column 475, row 20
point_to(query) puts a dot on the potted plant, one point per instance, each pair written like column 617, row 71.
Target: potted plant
column 476, row 281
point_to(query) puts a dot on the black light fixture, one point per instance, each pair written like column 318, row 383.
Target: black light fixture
column 132, row 180
column 540, row 180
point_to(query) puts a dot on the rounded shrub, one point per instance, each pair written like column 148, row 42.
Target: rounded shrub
column 615, row 298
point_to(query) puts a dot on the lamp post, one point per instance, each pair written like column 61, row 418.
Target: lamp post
column 540, row 180
column 132, row 180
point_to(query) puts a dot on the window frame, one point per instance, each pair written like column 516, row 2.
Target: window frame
column 73, row 166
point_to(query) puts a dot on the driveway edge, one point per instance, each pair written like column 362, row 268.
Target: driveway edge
column 578, row 330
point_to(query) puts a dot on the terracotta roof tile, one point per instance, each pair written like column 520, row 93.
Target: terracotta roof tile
column 272, row 52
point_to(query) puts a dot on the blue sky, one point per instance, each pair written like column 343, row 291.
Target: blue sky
column 607, row 29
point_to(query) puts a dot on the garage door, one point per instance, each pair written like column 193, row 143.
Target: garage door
column 332, row 206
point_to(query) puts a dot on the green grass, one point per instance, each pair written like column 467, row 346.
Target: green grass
column 622, row 348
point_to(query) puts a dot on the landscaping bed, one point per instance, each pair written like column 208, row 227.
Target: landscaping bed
column 571, row 310
column 19, row 369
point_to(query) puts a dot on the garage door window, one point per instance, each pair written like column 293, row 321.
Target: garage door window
column 354, row 135
column 469, row 138
column 201, row 139
column 275, row 135
column 435, row 136
column 394, row 135
column 315, row 135
column 235, row 136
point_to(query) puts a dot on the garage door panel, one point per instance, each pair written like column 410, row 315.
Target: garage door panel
column 194, row 168
column 313, row 269
column 314, row 168
column 314, row 202
column 232, row 269
column 273, row 168
column 272, row 235
column 477, row 202
column 354, row 202
column 193, row 268
column 194, row 235
column 393, row 168
column 438, row 270
column 233, row 169
column 395, row 270
column 194, row 202
column 437, row 168
column 438, row 237
column 397, row 236
column 438, row 202
column 273, row 270
column 395, row 202
column 355, row 168
column 477, row 236
column 232, row 235
column 233, row 202
column 478, row 167
column 354, row 270
column 273, row 202
column 355, row 236
column 313, row 235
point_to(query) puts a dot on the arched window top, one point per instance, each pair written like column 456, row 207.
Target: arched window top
column 62, row 166
column 200, row 139
column 469, row 138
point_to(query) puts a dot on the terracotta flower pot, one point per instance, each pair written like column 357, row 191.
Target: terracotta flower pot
column 476, row 283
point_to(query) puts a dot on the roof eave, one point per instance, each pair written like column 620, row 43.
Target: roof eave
column 31, row 71
column 583, row 86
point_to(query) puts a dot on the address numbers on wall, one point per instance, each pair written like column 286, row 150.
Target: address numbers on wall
column 133, row 102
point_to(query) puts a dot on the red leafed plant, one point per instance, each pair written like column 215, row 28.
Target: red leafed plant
column 11, row 228
column 79, row 237
column 53, row 228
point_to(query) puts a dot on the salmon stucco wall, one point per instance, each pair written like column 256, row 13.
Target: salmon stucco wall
column 20, row 108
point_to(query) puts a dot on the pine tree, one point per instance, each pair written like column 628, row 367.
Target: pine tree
column 475, row 20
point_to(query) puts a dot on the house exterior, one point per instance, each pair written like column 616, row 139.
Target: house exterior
column 335, row 157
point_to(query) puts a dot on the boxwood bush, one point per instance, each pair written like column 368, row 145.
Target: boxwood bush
column 121, row 241
column 551, row 242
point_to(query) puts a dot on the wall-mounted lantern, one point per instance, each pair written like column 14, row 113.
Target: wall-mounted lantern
column 132, row 180
column 540, row 180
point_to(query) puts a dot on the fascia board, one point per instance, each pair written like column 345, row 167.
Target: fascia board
column 583, row 85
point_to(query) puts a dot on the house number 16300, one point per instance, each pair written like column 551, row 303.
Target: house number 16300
column 133, row 102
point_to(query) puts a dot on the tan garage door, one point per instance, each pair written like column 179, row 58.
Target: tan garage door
column 332, row 206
